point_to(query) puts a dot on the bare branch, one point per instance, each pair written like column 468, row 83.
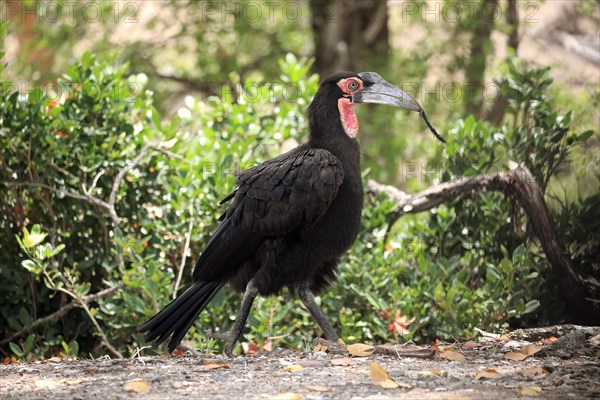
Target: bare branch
column 60, row 312
column 185, row 250
column 119, row 178
column 520, row 183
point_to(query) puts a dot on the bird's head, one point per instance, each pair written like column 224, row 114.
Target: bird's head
column 349, row 89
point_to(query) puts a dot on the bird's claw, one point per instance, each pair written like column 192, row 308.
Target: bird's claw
column 230, row 337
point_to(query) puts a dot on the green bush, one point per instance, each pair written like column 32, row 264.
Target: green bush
column 436, row 275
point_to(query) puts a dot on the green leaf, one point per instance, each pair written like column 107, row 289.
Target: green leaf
column 531, row 306
column 585, row 136
column 34, row 238
column 16, row 349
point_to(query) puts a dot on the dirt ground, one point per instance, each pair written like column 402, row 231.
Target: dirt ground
column 565, row 364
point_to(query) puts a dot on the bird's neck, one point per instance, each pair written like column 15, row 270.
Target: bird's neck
column 345, row 149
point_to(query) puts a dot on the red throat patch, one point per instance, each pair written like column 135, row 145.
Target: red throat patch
column 348, row 117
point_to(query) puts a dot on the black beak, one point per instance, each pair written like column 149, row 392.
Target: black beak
column 382, row 92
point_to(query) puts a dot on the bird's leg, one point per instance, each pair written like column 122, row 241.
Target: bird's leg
column 308, row 299
column 232, row 336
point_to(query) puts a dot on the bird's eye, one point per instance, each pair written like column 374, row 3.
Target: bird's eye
column 353, row 85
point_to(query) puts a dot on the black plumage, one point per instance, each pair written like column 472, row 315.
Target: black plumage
column 290, row 220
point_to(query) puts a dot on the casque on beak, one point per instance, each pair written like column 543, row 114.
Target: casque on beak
column 382, row 92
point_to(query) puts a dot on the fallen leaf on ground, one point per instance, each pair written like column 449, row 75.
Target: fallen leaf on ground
column 320, row 347
column 287, row 396
column 293, row 368
column 523, row 353
column 451, row 355
column 341, row 341
column 487, row 374
column 529, row 391
column 381, row 377
column 432, row 372
column 137, row 386
column 214, row 365
column 318, row 388
column 550, row 339
column 535, row 371
column 268, row 346
column 470, row 345
column 54, row 359
column 448, row 348
column 177, row 353
column 435, row 347
column 531, row 349
column 342, row 361
column 515, row 356
column 6, row 361
column 504, row 338
column 360, row 350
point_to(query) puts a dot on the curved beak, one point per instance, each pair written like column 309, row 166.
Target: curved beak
column 382, row 92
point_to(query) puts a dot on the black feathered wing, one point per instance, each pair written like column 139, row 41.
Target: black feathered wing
column 290, row 192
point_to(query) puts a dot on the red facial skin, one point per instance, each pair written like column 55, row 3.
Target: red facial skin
column 346, row 107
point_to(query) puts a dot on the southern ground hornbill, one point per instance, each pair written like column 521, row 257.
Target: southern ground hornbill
column 291, row 217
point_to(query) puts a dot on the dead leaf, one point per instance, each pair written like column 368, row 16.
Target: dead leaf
column 214, row 365
column 487, row 374
column 531, row 349
column 287, row 396
column 360, row 350
column 470, row 345
column 435, row 347
column 268, row 346
column 523, row 353
column 550, row 339
column 342, row 361
column 318, row 388
column 448, row 348
column 529, row 391
column 504, row 338
column 535, row 371
column 293, row 368
column 320, row 347
column 515, row 356
column 341, row 341
column 54, row 359
column 381, row 377
column 137, row 386
column 177, row 353
column 432, row 372
column 6, row 361
column 452, row 355
column 14, row 360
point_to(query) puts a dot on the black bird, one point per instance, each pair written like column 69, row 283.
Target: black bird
column 291, row 217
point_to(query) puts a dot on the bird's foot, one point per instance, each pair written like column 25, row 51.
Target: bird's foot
column 230, row 337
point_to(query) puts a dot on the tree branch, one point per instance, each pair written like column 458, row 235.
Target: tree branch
column 185, row 250
column 520, row 183
column 60, row 312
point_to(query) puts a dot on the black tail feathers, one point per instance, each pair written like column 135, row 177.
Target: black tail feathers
column 177, row 318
